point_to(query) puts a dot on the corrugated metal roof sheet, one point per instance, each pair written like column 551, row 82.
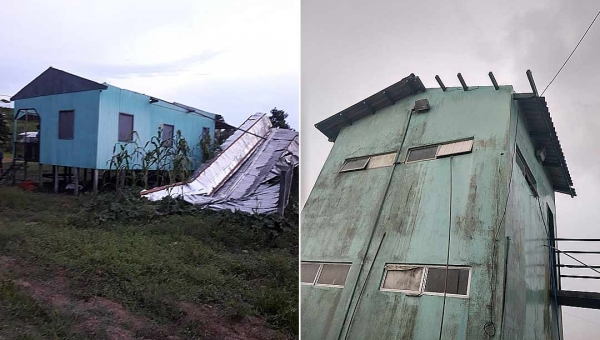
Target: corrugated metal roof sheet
column 54, row 81
column 543, row 135
column 408, row 86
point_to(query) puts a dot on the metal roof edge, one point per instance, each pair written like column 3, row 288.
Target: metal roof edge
column 404, row 88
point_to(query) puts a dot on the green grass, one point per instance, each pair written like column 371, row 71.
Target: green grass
column 24, row 317
column 150, row 263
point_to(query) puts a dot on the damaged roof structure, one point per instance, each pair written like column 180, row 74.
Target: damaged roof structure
column 253, row 173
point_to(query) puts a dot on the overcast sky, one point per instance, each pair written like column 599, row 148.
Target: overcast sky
column 352, row 49
column 234, row 58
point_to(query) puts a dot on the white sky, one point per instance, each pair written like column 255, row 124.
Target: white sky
column 234, row 58
column 351, row 49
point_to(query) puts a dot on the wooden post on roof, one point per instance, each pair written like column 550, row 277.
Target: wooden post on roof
column 76, row 190
column 55, row 173
column 95, row 180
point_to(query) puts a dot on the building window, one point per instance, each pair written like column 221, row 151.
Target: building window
column 439, row 151
column 526, row 172
column 167, row 134
column 324, row 274
column 428, row 280
column 369, row 162
column 66, row 124
column 308, row 272
column 125, row 127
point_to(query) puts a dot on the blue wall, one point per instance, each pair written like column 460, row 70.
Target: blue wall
column 81, row 150
column 147, row 119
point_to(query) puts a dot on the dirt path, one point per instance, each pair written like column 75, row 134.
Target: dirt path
column 101, row 318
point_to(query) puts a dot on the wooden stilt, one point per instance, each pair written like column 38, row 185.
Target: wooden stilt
column 25, row 171
column 76, row 191
column 95, row 180
column 84, row 176
column 40, row 177
column 55, row 173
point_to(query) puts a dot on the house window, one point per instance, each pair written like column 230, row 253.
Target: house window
column 125, row 127
column 526, row 172
column 428, row 280
column 369, row 162
column 439, row 151
column 422, row 154
column 324, row 274
column 66, row 124
column 308, row 272
column 167, row 134
column 458, row 280
column 380, row 161
column 403, row 278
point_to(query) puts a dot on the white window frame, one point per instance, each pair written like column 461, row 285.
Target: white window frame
column 406, row 291
column 316, row 275
column 423, row 284
column 368, row 158
column 315, row 281
column 406, row 161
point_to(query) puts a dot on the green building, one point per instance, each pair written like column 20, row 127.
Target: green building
column 433, row 216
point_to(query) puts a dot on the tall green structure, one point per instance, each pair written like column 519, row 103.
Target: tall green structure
column 433, row 216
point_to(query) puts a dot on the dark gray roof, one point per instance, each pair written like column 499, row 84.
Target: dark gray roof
column 408, row 86
column 543, row 135
column 54, row 81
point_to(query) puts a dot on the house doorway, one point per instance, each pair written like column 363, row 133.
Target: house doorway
column 27, row 127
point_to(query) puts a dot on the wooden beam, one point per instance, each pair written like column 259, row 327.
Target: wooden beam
column 55, row 173
column 76, row 190
column 40, row 178
column 578, row 299
column 95, row 180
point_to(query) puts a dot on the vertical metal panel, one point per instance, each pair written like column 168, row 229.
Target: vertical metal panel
column 148, row 118
column 79, row 151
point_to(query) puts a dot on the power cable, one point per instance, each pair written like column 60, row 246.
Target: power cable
column 566, row 61
column 579, row 317
column 447, row 253
column 490, row 327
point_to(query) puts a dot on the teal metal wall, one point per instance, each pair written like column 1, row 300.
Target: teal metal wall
column 531, row 309
column 340, row 213
column 148, row 117
column 81, row 150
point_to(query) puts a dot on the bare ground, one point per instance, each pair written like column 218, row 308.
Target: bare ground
column 101, row 318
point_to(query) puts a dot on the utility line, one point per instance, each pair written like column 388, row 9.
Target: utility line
column 579, row 317
column 447, row 253
column 566, row 61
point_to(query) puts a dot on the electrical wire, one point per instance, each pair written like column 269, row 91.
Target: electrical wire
column 570, row 55
column 373, row 229
column 596, row 323
column 490, row 327
column 447, row 252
